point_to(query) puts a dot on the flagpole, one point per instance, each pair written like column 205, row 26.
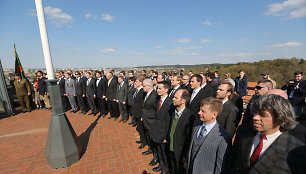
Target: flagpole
column 63, row 147
column 44, row 38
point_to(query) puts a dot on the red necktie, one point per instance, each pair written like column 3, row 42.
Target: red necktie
column 257, row 151
column 160, row 103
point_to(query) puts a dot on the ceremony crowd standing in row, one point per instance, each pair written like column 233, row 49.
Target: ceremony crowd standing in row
column 191, row 123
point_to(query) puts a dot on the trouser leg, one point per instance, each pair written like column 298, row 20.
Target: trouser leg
column 22, row 103
column 140, row 130
column 27, row 102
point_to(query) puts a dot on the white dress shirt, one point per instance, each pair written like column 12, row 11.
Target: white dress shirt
column 194, row 93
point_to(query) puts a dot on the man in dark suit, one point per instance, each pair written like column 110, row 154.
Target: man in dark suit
column 176, row 85
column 137, row 109
column 90, row 93
column 180, row 131
column 149, row 114
column 61, row 84
column 111, row 90
column 296, row 90
column 200, row 91
column 100, row 93
column 43, row 89
column 80, row 90
column 209, row 143
column 186, row 84
column 121, row 98
column 268, row 147
column 161, row 126
column 228, row 118
column 238, row 102
column 131, row 91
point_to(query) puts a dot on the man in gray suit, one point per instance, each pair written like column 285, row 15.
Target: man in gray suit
column 209, row 142
column 121, row 98
column 70, row 92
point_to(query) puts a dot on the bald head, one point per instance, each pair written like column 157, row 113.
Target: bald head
column 148, row 82
column 278, row 92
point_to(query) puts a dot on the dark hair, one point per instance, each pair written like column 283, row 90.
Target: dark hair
column 132, row 79
column 144, row 71
column 241, row 70
column 198, row 77
column 123, row 72
column 131, row 71
column 68, row 74
column 165, row 84
column 88, row 72
column 211, row 75
column 98, row 72
column 298, row 72
column 39, row 72
column 121, row 77
column 215, row 105
column 102, row 71
column 279, row 108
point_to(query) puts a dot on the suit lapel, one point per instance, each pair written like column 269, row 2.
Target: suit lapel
column 246, row 150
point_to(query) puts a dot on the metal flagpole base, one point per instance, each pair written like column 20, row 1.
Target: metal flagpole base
column 63, row 148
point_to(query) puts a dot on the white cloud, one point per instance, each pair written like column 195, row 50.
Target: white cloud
column 289, row 8
column 75, row 48
column 88, row 15
column 183, row 41
column 189, row 48
column 243, row 40
column 107, row 17
column 108, row 50
column 95, row 17
column 288, row 44
column 159, row 47
column 55, row 16
column 206, row 40
column 207, row 22
column 243, row 54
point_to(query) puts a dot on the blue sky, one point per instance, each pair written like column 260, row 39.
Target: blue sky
column 126, row 33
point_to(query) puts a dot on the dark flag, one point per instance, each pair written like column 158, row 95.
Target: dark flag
column 18, row 66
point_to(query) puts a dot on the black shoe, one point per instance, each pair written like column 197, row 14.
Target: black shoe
column 134, row 125
column 109, row 117
column 95, row 113
column 141, row 146
column 74, row 111
column 153, row 162
column 130, row 123
column 103, row 115
column 147, row 152
column 115, row 119
column 157, row 169
column 138, row 142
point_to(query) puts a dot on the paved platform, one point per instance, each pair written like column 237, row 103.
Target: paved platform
column 110, row 145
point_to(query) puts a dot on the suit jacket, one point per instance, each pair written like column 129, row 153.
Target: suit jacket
column 122, row 93
column 61, row 84
column 80, row 86
column 228, row 117
column 285, row 155
column 42, row 85
column 101, row 88
column 91, row 87
column 205, row 92
column 182, row 134
column 138, row 104
column 241, row 86
column 299, row 94
column 149, row 110
column 162, row 121
column 22, row 88
column 212, row 154
column 70, row 86
column 188, row 87
column 131, row 91
column 238, row 102
column 111, row 89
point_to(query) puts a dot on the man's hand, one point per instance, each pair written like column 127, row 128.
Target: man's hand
column 114, row 99
column 165, row 141
column 124, row 103
column 141, row 119
column 65, row 94
column 105, row 99
column 74, row 94
column 29, row 93
column 84, row 95
column 94, row 96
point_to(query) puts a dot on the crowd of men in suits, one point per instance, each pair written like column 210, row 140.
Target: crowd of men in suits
column 189, row 121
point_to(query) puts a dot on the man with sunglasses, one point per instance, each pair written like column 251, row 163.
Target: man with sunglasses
column 261, row 89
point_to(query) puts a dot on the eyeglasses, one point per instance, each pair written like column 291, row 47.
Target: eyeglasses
column 259, row 87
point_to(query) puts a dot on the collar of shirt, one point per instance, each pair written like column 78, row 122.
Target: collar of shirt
column 149, row 93
column 178, row 114
column 163, row 99
column 78, row 78
column 197, row 90
column 224, row 101
column 121, row 83
column 89, row 79
column 99, row 78
column 175, row 88
column 203, row 85
column 208, row 127
column 266, row 142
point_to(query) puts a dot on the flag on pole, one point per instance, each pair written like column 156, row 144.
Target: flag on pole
column 18, row 66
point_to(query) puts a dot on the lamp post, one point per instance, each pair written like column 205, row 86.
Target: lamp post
column 63, row 148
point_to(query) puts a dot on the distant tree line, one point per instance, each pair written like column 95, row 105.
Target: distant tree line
column 281, row 70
